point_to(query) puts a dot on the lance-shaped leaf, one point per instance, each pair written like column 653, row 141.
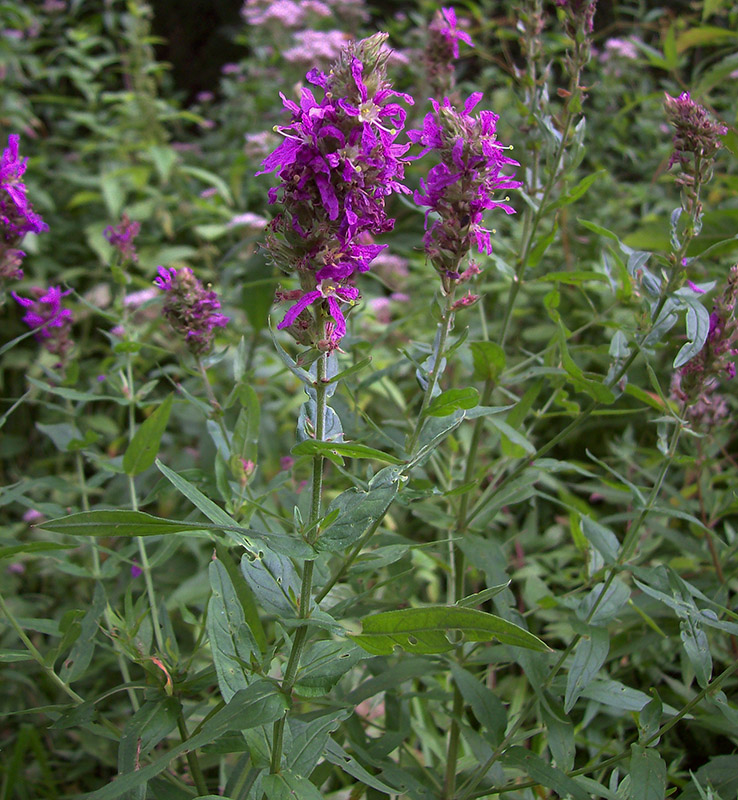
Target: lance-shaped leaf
column 335, row 451
column 118, row 523
column 144, row 446
column 424, row 630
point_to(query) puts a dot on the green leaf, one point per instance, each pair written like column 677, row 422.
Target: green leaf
column 589, row 655
column 647, row 774
column 260, row 704
column 423, row 630
column 141, row 452
column 309, row 738
column 540, row 247
column 356, row 512
column 704, row 35
column 117, row 523
column 697, row 648
column 32, row 547
column 598, row 229
column 354, row 368
column 11, row 656
column 231, row 641
column 615, row 598
column 76, row 663
column 489, row 360
column 602, row 539
column 338, row 756
column 484, row 703
column 452, row 399
column 209, row 178
column 244, row 594
column 153, row 721
column 543, row 773
column 287, row 786
column 576, row 192
column 513, row 436
column 573, row 278
column 323, row 665
column 333, row 450
column 481, row 597
column 272, row 578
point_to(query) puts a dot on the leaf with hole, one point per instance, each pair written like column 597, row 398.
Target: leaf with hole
column 424, row 630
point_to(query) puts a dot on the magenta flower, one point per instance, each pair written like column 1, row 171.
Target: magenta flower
column 442, row 50
column 45, row 314
column 190, row 308
column 445, row 24
column 17, row 217
column 330, row 292
column 338, row 162
column 463, row 185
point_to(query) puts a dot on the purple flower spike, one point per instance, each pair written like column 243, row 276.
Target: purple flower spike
column 17, row 217
column 121, row 237
column 191, row 309
column 338, row 162
column 463, row 185
column 45, row 314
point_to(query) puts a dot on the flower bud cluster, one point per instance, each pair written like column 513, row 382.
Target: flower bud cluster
column 338, row 162
column 442, row 49
column 696, row 139
column 461, row 187
column 694, row 384
column 191, row 309
column 17, row 217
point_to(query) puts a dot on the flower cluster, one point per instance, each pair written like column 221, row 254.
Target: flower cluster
column 16, row 213
column 696, row 134
column 51, row 322
column 338, row 162
column 442, row 50
column 461, row 187
column 191, row 309
column 695, row 383
column 121, row 236
column 696, row 143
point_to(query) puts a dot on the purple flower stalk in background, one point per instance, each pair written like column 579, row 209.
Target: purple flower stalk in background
column 121, row 236
column 338, row 162
column 191, row 309
column 442, row 50
column 44, row 313
column 462, row 186
column 16, row 213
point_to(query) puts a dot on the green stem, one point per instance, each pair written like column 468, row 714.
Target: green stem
column 445, row 326
column 65, row 687
column 304, row 605
column 143, row 555
column 192, row 760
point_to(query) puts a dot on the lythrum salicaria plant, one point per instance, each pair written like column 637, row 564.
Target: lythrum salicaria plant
column 465, row 527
